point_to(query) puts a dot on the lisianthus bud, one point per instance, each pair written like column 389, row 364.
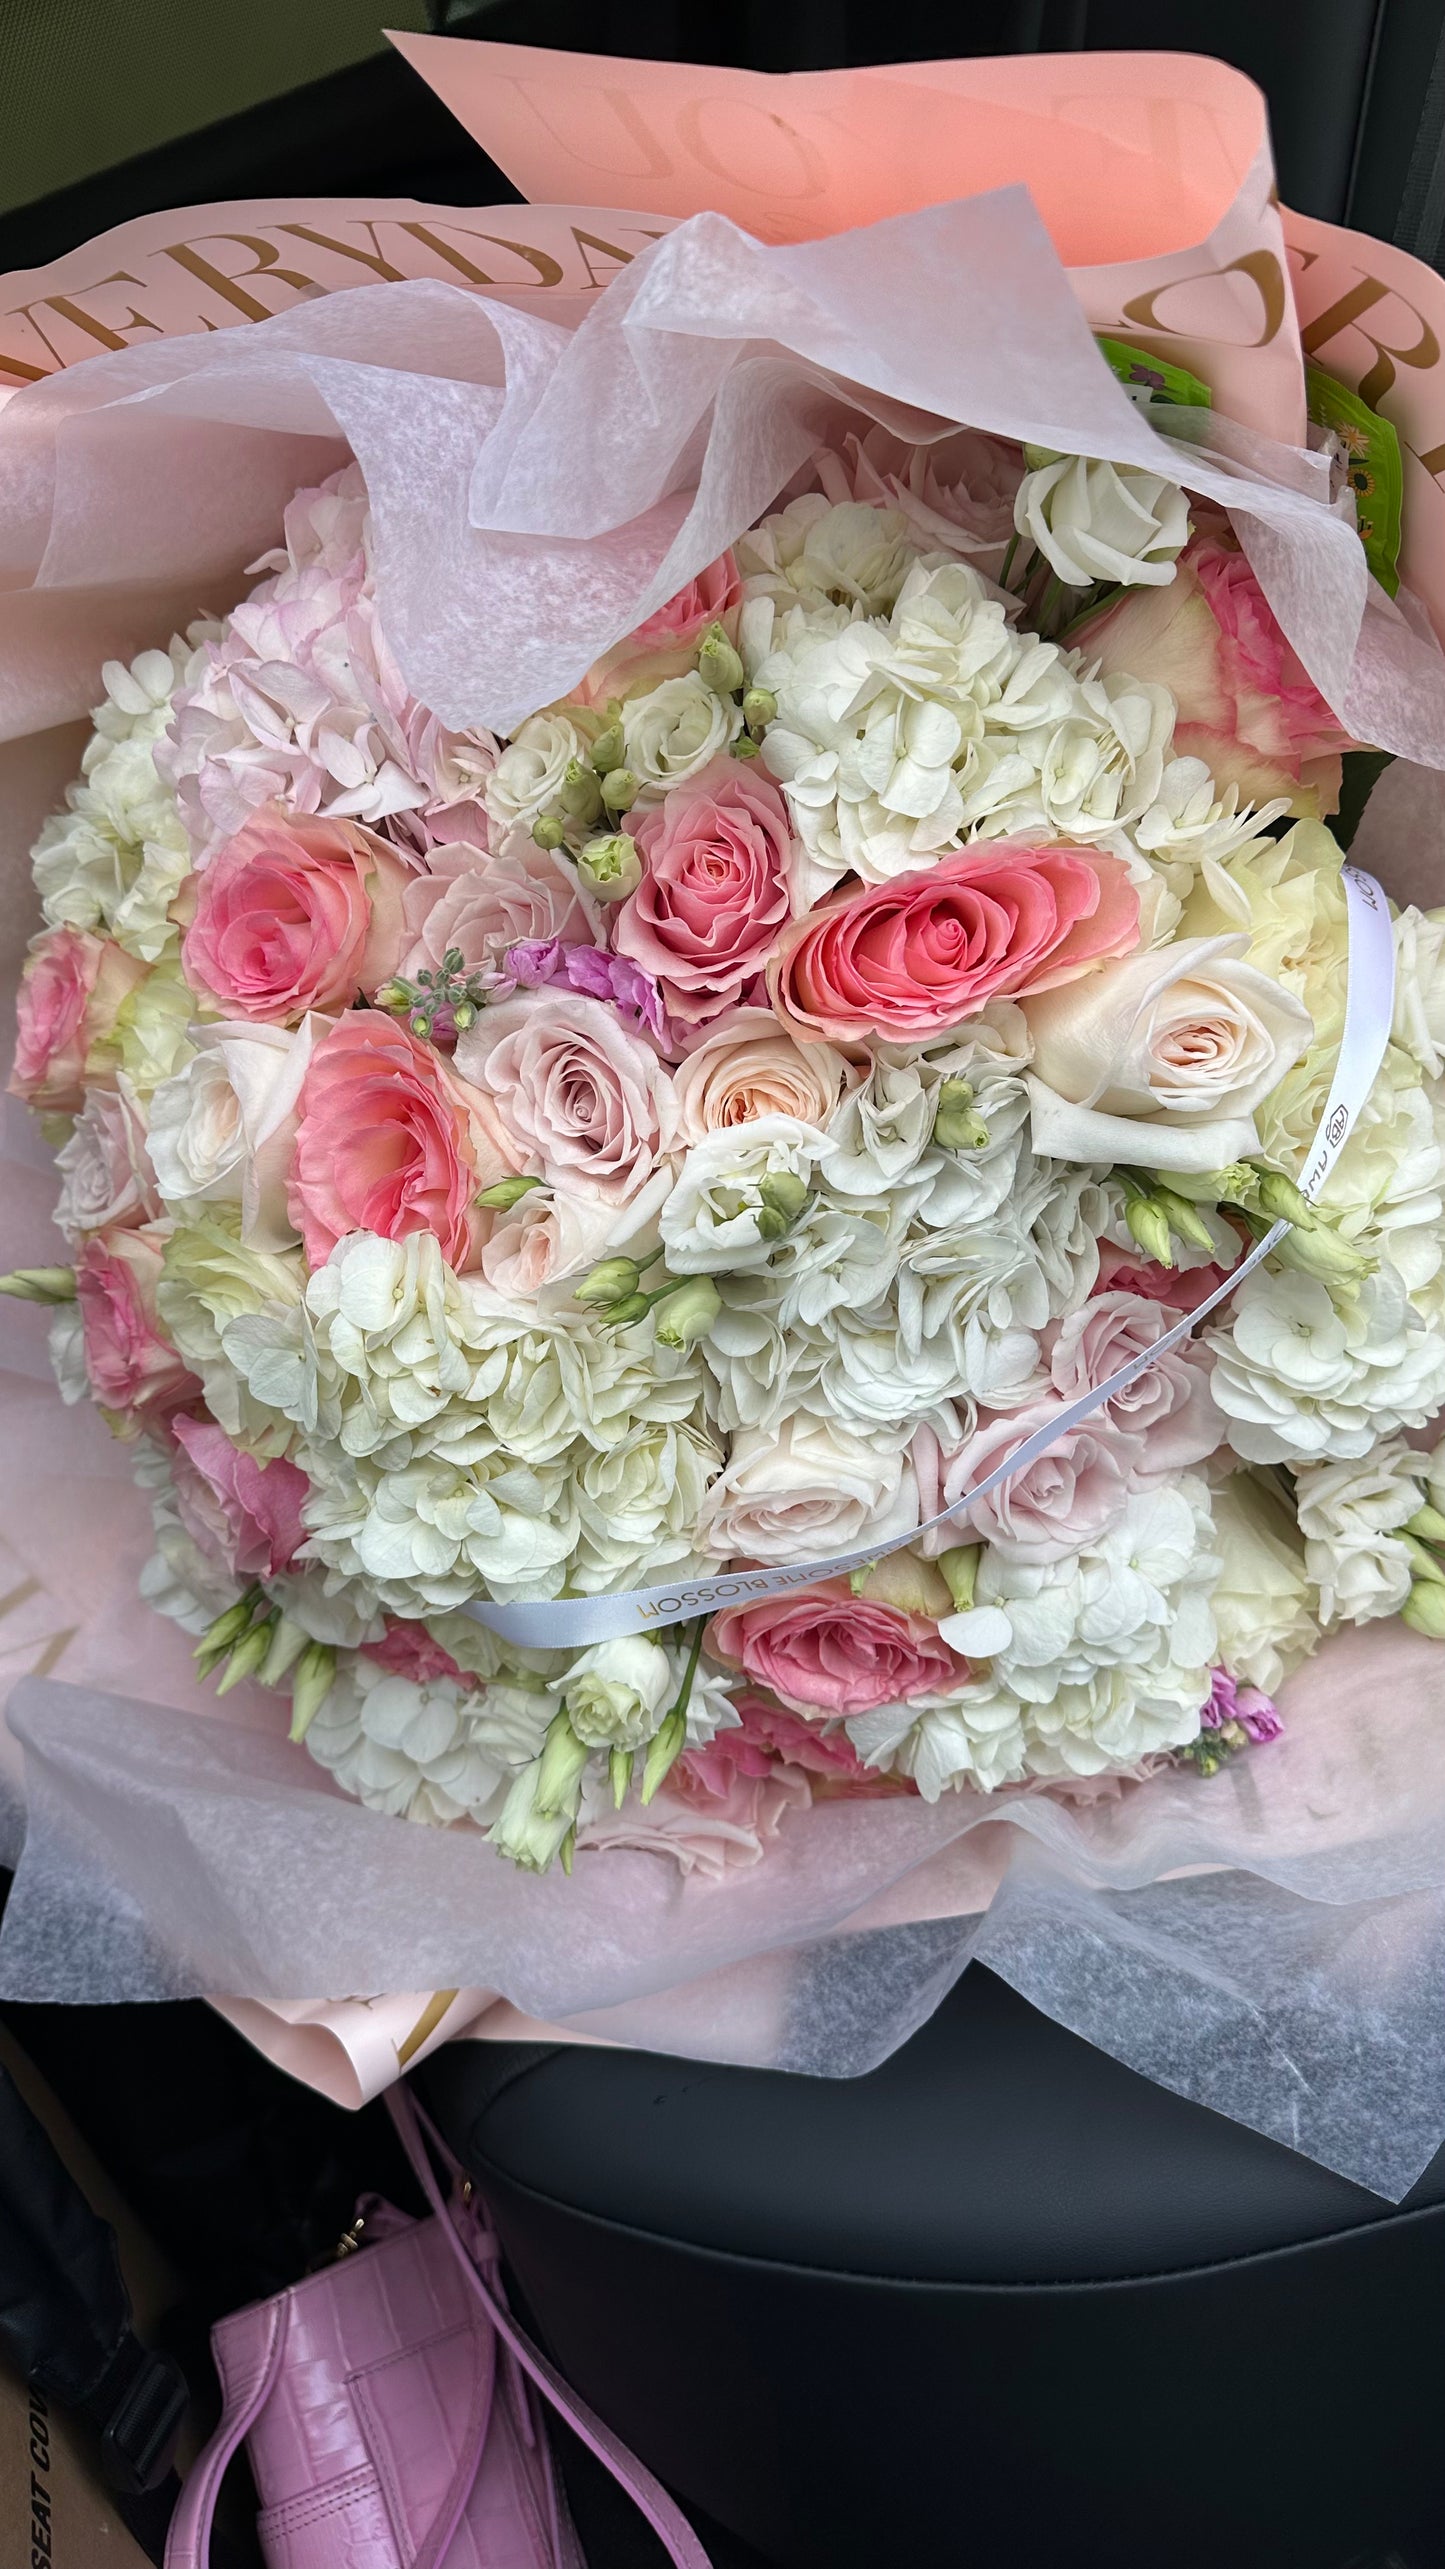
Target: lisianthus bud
column 1281, row 1199
column 579, row 793
column 311, row 1684
column 719, row 666
column 663, row 1753
column 548, row 830
column 772, row 1225
column 619, row 789
column 611, row 1281
column 960, row 1570
column 1424, row 1610
column 744, row 746
column 227, row 1629
column 1427, row 1525
column 607, row 749
column 760, row 707
column 784, row 1193
column 507, row 1192
column 1319, row 1251
column 1183, row 1220
column 619, row 1775
column 688, row 1314
column 1148, row 1223
column 527, row 1835
column 287, row 1642
column 560, row 1770
column 956, row 1126
column 1423, row 1562
column 245, row 1660
column 40, row 1284
column 621, row 1315
column 611, row 867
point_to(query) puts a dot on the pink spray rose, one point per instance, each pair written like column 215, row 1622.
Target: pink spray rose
column 707, row 913
column 834, row 1653
column 1066, row 1498
column 245, row 1513
column 574, row 1097
column 907, row 958
column 482, row 905
column 293, row 914
column 1170, row 1405
column 665, row 644
column 71, row 992
column 1246, row 706
column 389, row 1142
column 133, row 1369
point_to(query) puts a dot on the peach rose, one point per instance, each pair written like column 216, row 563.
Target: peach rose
column 1246, row 705
column 71, row 992
column 242, row 1513
column 748, row 1068
column 295, row 913
column 573, row 1097
column 908, row 958
column 707, row 913
column 133, row 1369
column 483, row 905
column 666, row 642
column 833, row 1653
column 388, row 1141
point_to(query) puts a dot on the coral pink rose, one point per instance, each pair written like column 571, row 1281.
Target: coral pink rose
column 133, row 1369
column 71, row 992
column 707, row 913
column 574, row 1098
column 1246, row 706
column 387, row 1142
column 1064, row 1499
column 245, row 1513
column 665, row 644
column 834, row 1653
column 408, row 1650
column 770, row 1741
column 295, row 913
column 483, row 905
column 1169, row 1405
column 907, row 958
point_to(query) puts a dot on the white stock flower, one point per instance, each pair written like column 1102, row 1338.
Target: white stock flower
column 222, row 1129
column 115, row 859
column 1264, row 1605
column 1093, row 520
column 528, row 775
column 805, row 1490
column 1302, row 1380
column 674, row 731
column 1350, row 1515
column 616, row 1693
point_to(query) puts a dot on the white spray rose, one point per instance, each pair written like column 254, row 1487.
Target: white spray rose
column 719, row 1215
column 1097, row 521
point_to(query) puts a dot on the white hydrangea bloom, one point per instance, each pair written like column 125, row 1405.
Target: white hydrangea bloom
column 1264, row 1605
column 1301, row 1378
column 427, row 1752
column 815, row 553
column 1350, row 1515
column 1098, row 768
column 435, row 1532
column 1191, row 823
column 115, row 859
column 638, row 1501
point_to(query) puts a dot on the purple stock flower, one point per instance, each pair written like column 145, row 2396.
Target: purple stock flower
column 1255, row 1712
column 598, row 975
column 535, row 961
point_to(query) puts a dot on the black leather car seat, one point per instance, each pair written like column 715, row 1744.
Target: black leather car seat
column 1002, row 2303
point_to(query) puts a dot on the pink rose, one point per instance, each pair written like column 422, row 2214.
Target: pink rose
column 706, row 915
column 1183, row 1288
column 907, row 958
column 1170, row 1406
column 1067, row 1498
column 770, row 1741
column 71, row 992
column 957, row 493
column 1246, row 706
column 244, row 1513
column 708, row 1827
column 295, row 913
column 133, row 1369
column 389, row 1142
column 834, row 1653
column 573, row 1097
column 408, row 1650
column 748, row 1067
column 109, row 1182
column 665, row 644
column 482, row 905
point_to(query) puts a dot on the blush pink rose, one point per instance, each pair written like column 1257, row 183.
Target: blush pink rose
column 1246, row 705
column 707, row 913
column 573, row 1097
column 295, row 913
column 1182, row 1288
column 387, row 1142
column 245, row 1513
column 408, row 1650
column 482, row 905
column 1170, row 1405
column 907, row 958
column 834, row 1653
column 1066, row 1498
column 71, row 992
column 109, row 1182
column 133, row 1370
column 665, row 644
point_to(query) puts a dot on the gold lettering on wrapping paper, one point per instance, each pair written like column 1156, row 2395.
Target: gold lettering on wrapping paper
column 230, row 288
column 549, row 270
column 425, row 2026
column 590, row 241
column 66, row 307
column 1347, row 314
column 1260, row 266
column 373, row 258
column 813, row 173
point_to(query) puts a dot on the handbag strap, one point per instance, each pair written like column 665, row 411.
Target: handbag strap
column 188, row 2540
column 665, row 2517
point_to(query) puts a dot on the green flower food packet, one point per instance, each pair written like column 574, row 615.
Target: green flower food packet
column 1372, row 465
column 1152, row 383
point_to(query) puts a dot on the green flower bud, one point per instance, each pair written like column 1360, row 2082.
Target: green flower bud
column 1424, row 1611
column 1427, row 1524
column 40, row 1284
column 548, row 830
column 227, row 1629
column 663, row 1751
column 559, row 1774
column 463, row 1015
column 245, row 1660
column 507, row 1192
column 760, row 707
column 744, row 746
column 784, row 1193
column 1423, row 1562
column 1321, row 1252
column 956, row 1127
column 960, row 1570
column 620, row 789
column 580, row 794
column 523, row 1832
column 288, row 1640
column 771, row 1225
column 607, row 750
column 1148, row 1223
column 1182, row 1219
column 310, row 1685
column 1281, row 1200
column 619, row 1775
column 395, row 995
column 611, row 867
column 1038, row 457
column 420, row 1023
column 612, row 1281
column 718, row 664
column 621, row 1315
column 566, row 1852
column 688, row 1314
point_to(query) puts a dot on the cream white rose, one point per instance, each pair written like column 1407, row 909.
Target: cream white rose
column 805, row 1490
column 674, row 731
column 1160, row 1060
column 222, row 1129
column 1097, row 521
column 107, row 1174
column 1263, row 1606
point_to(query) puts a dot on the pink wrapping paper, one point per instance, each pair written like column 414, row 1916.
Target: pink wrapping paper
column 257, row 344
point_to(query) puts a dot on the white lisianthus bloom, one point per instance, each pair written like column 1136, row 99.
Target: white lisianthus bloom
column 222, row 1129
column 1097, row 521
column 529, row 774
column 406, row 1748
column 719, row 1216
column 1263, row 1602
column 815, row 553
column 1350, row 1515
column 616, row 1693
column 674, row 732
column 1419, row 1026
column 805, row 1490
column 1302, row 1380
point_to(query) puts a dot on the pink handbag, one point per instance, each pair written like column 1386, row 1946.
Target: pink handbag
column 389, row 2407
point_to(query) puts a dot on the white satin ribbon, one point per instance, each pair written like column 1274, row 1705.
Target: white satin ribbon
column 572, row 1623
